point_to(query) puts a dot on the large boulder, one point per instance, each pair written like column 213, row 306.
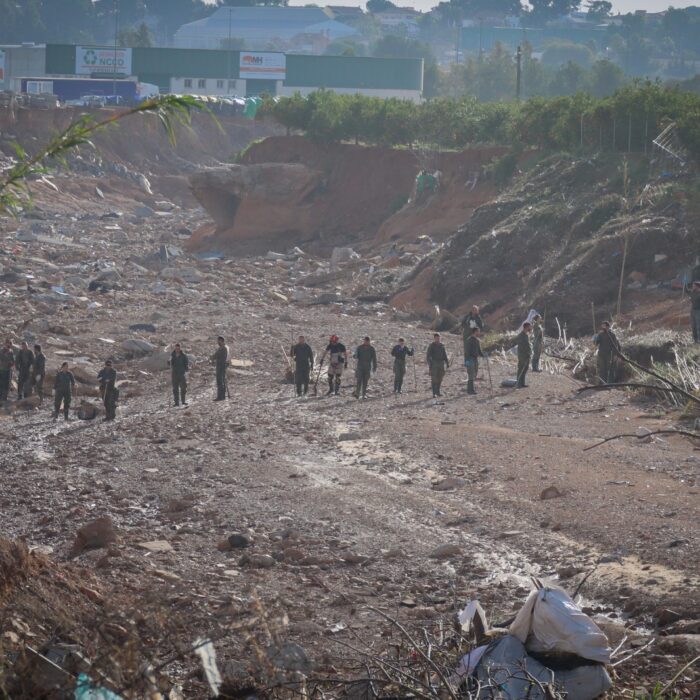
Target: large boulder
column 255, row 197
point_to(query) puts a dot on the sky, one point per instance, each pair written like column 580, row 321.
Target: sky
column 618, row 5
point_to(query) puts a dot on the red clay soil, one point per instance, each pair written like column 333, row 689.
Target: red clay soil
column 463, row 189
column 359, row 198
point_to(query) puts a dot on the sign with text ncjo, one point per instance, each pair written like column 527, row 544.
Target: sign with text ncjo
column 263, row 65
column 94, row 60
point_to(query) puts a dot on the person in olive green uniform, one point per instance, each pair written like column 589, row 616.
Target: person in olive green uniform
column 107, row 377
column 179, row 366
column 220, row 357
column 303, row 357
column 537, row 343
column 63, row 391
column 24, row 361
column 473, row 352
column 7, row 362
column 524, row 354
column 607, row 343
column 39, row 371
column 437, row 364
column 399, row 353
column 366, row 357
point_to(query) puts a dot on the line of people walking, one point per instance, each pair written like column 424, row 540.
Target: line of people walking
column 30, row 365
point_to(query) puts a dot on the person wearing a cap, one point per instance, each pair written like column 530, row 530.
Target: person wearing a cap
column 366, row 357
column 107, row 378
column 337, row 362
column 438, row 363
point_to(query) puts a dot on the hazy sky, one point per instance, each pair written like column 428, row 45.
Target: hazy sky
column 618, row 5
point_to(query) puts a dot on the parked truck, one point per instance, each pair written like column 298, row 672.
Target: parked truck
column 75, row 90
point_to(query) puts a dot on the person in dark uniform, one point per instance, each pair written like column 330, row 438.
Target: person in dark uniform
column 179, row 366
column 366, row 357
column 608, row 344
column 24, row 361
column 303, row 357
column 473, row 352
column 438, row 363
column 400, row 352
column 63, row 391
column 7, row 362
column 220, row 357
column 107, row 377
column 39, row 371
column 524, row 354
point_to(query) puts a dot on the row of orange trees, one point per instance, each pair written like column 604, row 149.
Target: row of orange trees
column 627, row 120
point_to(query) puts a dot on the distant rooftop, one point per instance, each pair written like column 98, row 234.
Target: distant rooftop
column 259, row 25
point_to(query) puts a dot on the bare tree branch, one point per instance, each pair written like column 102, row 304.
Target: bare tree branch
column 667, row 431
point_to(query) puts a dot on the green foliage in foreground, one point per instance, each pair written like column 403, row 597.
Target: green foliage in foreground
column 169, row 109
column 627, row 120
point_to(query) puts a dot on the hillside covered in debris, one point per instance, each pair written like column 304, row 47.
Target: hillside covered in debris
column 267, row 545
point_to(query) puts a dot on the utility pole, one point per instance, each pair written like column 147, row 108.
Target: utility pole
column 116, row 40
column 519, row 72
column 228, row 77
column 481, row 41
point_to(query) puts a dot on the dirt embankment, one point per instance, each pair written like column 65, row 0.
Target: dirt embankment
column 351, row 195
column 555, row 240
column 138, row 145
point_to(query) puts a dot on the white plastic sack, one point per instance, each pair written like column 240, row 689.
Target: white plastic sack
column 472, row 610
column 551, row 622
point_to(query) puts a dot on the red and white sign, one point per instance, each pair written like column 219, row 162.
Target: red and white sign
column 262, row 65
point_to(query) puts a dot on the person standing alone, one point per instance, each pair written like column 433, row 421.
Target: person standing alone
column 63, row 391
column 107, row 378
column 220, row 357
column 303, row 357
column 179, row 366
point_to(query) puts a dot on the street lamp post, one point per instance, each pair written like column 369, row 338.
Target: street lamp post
column 228, row 76
column 116, row 39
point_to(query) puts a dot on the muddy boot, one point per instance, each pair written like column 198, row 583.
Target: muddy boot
column 330, row 386
column 470, row 387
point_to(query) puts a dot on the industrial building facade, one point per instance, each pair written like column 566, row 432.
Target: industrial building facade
column 247, row 73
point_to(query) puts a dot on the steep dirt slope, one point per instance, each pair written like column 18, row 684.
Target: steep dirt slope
column 555, row 240
column 343, row 195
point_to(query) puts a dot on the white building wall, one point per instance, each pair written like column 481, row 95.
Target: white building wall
column 23, row 62
column 412, row 95
column 216, row 87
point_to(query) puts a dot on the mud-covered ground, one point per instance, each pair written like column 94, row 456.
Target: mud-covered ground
column 343, row 494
